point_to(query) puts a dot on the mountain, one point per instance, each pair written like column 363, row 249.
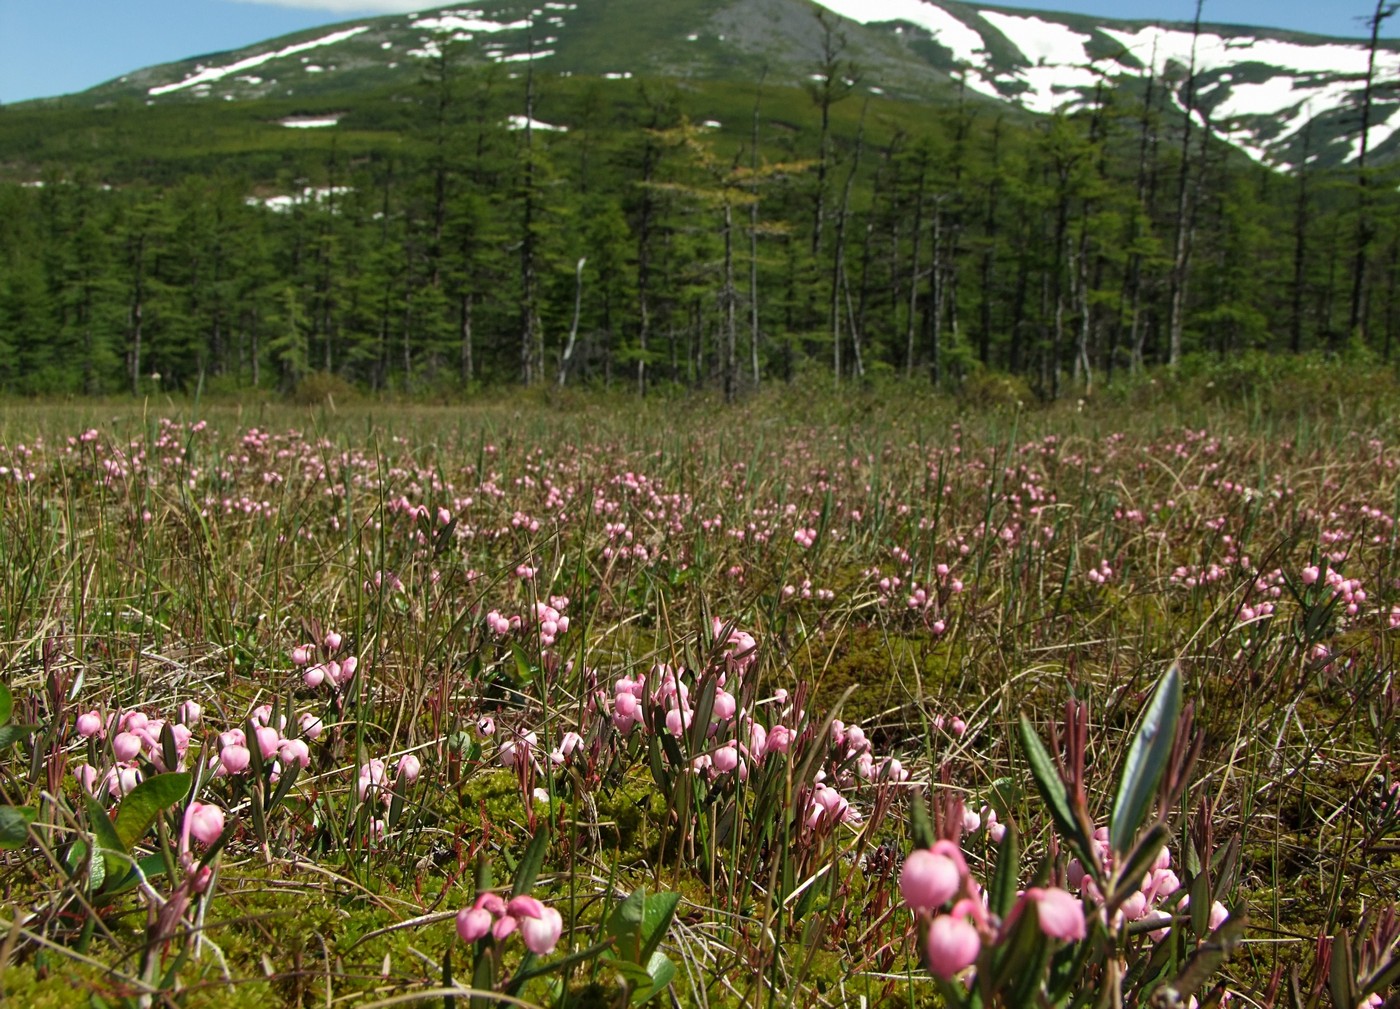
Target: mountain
column 1280, row 97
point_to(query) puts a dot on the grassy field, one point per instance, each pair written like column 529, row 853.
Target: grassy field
column 569, row 700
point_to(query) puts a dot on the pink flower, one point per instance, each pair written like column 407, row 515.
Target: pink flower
column 86, row 776
column 726, row 758
column 1060, row 913
column 541, row 933
column 311, row 726
column 953, row 945
column 928, row 880
column 724, row 706
column 524, row 906
column 206, row 822
column 473, row 923
column 126, row 745
column 294, row 752
column 779, row 739
column 492, row 902
column 1218, row 915
column 409, row 768
column 234, row 758
column 268, row 740
column 570, row 743
column 89, row 724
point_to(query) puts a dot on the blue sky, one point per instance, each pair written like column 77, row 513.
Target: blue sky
column 52, row 47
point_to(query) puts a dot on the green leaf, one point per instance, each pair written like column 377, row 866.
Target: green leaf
column 1384, row 976
column 169, row 749
column 657, row 915
column 147, row 801
column 662, row 972
column 14, row 823
column 1002, row 896
column 11, row 734
column 1216, row 948
column 1139, row 863
column 601, row 951
column 530, row 862
column 920, row 826
column 704, row 708
column 821, row 742
column 626, row 919
column 7, row 704
column 126, row 877
column 1052, row 790
column 1004, row 796
column 97, row 868
column 634, row 974
column 1147, row 760
column 1341, row 977
column 108, row 840
column 483, row 974
column 284, row 785
column 1018, row 960
column 524, row 674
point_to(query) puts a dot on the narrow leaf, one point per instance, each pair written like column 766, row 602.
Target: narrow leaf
column 1147, row 759
column 1052, row 789
column 530, row 862
column 1139, row 863
column 1003, row 891
column 1212, row 952
column 920, row 826
column 1341, row 978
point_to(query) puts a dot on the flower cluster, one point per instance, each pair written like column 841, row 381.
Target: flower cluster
column 548, row 621
column 539, row 926
column 136, row 739
column 936, row 884
column 335, row 671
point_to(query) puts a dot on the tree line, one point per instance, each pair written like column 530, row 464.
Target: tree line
column 822, row 230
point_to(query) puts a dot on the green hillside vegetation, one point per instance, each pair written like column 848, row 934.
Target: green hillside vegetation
column 948, row 239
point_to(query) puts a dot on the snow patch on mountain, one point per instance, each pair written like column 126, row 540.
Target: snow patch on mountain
column 520, row 122
column 1060, row 68
column 963, row 42
column 1301, row 81
column 468, row 21
column 309, row 122
column 537, row 54
column 203, row 76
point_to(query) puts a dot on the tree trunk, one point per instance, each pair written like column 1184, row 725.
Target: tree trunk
column 1182, row 253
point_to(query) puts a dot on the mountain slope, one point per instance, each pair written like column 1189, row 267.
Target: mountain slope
column 1282, row 98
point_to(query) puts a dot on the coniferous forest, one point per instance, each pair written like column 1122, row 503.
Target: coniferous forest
column 490, row 226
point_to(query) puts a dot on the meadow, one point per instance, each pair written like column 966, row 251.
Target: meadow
column 864, row 698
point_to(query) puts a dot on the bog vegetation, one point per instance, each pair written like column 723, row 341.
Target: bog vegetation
column 546, row 702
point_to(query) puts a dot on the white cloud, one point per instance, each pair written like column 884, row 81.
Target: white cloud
column 350, row 6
